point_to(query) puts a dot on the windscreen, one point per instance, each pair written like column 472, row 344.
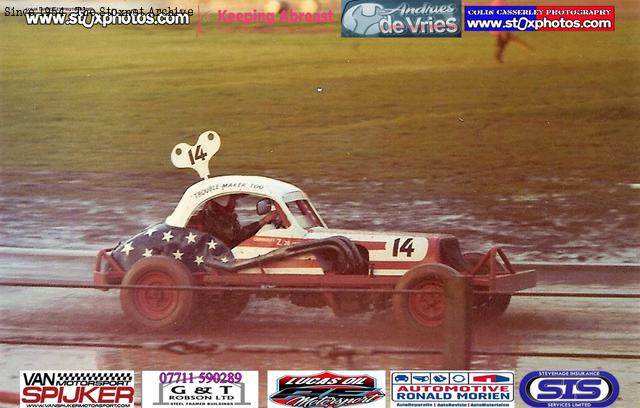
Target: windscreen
column 304, row 214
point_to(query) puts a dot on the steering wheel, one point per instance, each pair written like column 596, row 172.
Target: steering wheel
column 277, row 221
column 272, row 217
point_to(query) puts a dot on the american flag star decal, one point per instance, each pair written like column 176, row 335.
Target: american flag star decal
column 191, row 247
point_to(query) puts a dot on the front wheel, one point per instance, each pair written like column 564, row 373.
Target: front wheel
column 158, row 308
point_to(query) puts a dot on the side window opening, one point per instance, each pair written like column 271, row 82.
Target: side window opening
column 245, row 210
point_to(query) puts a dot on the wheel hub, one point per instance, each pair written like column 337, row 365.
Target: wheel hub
column 428, row 308
column 156, row 303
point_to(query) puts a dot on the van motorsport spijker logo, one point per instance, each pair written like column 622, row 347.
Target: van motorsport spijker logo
column 394, row 18
column 77, row 389
column 332, row 389
column 440, row 388
column 569, row 389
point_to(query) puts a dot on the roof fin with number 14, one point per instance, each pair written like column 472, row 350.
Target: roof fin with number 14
column 197, row 157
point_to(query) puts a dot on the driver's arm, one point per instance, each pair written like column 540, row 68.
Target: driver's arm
column 250, row 230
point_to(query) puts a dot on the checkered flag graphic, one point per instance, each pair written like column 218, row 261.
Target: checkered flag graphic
column 96, row 376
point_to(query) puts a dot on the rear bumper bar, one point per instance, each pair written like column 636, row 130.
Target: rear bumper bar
column 508, row 283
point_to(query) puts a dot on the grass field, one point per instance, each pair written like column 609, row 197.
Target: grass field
column 442, row 110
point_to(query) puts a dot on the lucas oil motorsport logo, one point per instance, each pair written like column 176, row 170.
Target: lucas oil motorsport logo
column 334, row 389
column 199, row 389
column 52, row 389
column 569, row 389
column 444, row 388
column 393, row 18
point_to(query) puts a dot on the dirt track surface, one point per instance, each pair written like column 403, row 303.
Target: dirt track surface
column 80, row 210
column 571, row 325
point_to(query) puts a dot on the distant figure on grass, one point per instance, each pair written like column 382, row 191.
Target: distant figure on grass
column 277, row 6
column 504, row 37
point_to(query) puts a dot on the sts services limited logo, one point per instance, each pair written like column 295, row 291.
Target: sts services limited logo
column 569, row 389
column 391, row 18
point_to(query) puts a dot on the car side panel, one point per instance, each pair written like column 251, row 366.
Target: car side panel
column 388, row 254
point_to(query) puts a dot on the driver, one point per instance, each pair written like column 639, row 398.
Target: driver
column 222, row 222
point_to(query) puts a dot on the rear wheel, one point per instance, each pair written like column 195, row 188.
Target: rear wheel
column 487, row 307
column 422, row 311
column 158, row 308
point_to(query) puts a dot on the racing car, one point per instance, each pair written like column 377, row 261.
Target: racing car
column 290, row 246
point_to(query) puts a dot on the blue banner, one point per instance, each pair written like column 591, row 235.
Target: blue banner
column 499, row 18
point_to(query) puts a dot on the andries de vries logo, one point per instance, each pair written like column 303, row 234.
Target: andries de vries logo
column 389, row 18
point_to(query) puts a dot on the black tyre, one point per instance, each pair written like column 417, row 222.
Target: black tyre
column 486, row 307
column 417, row 311
column 158, row 309
column 222, row 306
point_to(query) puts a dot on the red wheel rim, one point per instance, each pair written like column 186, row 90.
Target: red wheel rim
column 428, row 308
column 156, row 304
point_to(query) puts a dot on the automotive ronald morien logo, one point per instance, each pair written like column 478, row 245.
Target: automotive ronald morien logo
column 389, row 18
column 452, row 388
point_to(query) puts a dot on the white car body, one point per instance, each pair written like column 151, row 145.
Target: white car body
column 386, row 254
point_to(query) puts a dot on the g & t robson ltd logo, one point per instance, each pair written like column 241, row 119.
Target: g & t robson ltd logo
column 206, row 388
column 363, row 18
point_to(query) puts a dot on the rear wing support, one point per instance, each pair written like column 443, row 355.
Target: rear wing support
column 501, row 277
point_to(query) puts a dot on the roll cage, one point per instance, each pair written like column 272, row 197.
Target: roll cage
column 296, row 211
